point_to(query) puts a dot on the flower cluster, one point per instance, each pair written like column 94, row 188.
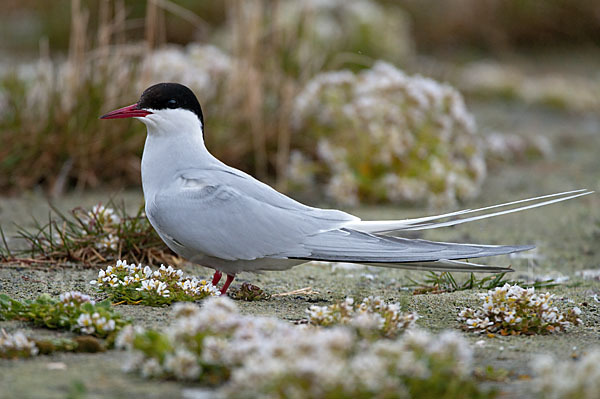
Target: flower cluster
column 258, row 356
column 574, row 92
column 72, row 311
column 504, row 147
column 370, row 317
column 514, row 310
column 384, row 135
column 75, row 299
column 88, row 323
column 16, row 345
column 589, row 274
column 568, row 379
column 136, row 284
column 94, row 323
column 110, row 242
column 101, row 223
column 100, row 214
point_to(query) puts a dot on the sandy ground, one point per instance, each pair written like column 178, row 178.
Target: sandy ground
column 566, row 236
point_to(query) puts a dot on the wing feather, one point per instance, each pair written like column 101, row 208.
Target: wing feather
column 347, row 245
column 206, row 214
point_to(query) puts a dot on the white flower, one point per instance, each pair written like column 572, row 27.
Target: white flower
column 73, row 298
column 368, row 321
column 16, row 342
column 85, row 323
column 183, row 364
column 151, row 368
column 185, row 310
column 473, row 323
column 567, row 379
column 103, row 215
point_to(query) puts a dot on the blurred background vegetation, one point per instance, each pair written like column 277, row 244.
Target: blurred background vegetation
column 320, row 97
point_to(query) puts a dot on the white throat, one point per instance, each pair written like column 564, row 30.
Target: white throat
column 174, row 142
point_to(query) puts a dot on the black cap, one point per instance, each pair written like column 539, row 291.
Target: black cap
column 170, row 96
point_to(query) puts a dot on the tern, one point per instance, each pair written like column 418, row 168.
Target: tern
column 217, row 216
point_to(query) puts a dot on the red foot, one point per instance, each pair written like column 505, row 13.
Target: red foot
column 230, row 278
column 217, row 277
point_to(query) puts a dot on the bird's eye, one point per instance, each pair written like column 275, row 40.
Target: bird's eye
column 172, row 103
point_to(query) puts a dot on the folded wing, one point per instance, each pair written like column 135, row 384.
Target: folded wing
column 346, row 245
column 218, row 214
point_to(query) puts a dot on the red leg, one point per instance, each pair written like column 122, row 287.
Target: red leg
column 217, row 277
column 230, row 278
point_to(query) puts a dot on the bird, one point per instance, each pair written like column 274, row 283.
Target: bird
column 220, row 217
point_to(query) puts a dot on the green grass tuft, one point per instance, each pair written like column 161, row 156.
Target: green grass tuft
column 91, row 237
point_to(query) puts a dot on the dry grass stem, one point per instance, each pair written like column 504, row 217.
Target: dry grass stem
column 300, row 291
